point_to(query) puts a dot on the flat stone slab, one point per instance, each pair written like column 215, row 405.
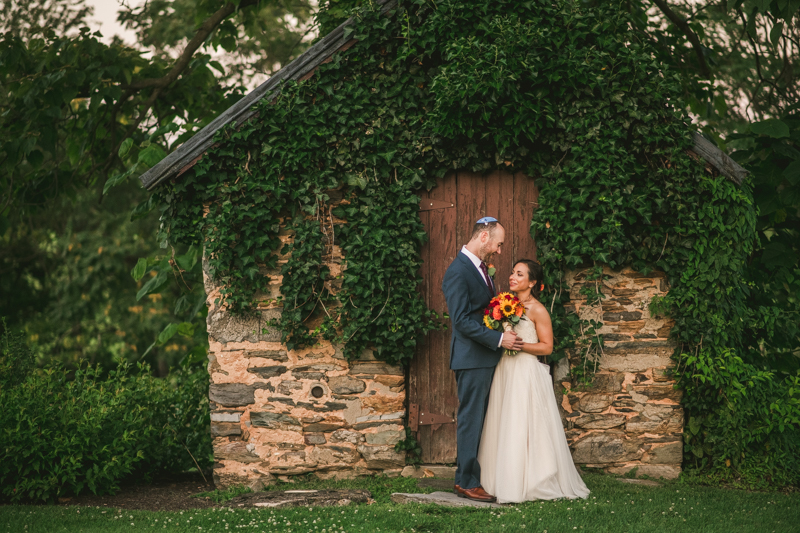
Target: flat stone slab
column 645, row 482
column 279, row 499
column 447, row 499
column 444, row 472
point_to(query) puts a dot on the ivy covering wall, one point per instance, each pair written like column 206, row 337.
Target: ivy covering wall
column 561, row 90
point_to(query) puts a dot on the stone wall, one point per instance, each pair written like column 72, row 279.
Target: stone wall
column 278, row 412
column 630, row 416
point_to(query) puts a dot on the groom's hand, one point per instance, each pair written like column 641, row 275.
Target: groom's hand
column 511, row 341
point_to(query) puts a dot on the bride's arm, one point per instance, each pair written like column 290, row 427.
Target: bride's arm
column 544, row 330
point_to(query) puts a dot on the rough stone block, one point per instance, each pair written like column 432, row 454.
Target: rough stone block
column 606, row 448
column 287, row 387
column 319, row 427
column 659, row 392
column 332, row 455
column 391, row 437
column 375, row 368
column 642, row 423
column 634, row 362
column 659, row 471
column 595, row 402
column 346, row 385
column 596, row 421
column 606, row 382
column 309, row 376
column 622, row 316
column 314, row 438
column 225, row 429
column 669, row 453
column 423, row 471
column 227, row 327
column 662, row 374
column 323, row 407
column 382, row 457
column 275, row 355
column 273, row 420
column 345, row 435
column 235, row 394
column 390, row 381
column 267, row 372
column 226, row 416
column 236, row 451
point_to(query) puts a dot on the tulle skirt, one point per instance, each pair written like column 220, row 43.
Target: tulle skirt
column 523, row 452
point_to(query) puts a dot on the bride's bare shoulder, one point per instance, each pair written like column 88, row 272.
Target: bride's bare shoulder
column 537, row 311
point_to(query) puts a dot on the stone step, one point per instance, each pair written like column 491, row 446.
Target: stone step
column 421, row 471
column 447, row 499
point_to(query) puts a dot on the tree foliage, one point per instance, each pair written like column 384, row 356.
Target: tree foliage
column 80, row 119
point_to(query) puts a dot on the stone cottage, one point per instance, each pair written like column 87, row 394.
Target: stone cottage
column 279, row 412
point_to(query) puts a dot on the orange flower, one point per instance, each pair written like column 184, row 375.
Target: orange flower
column 520, row 310
column 497, row 314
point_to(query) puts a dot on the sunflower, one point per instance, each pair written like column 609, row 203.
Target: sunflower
column 508, row 308
column 487, row 321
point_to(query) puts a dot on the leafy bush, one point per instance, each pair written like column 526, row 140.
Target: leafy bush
column 16, row 358
column 61, row 436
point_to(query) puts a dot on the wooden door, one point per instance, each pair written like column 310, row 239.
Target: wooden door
column 448, row 213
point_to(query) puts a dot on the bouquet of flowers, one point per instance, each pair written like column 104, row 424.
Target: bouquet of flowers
column 504, row 312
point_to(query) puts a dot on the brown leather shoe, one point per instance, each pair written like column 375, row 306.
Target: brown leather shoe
column 477, row 494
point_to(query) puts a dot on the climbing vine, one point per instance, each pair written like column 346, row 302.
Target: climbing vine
column 561, row 90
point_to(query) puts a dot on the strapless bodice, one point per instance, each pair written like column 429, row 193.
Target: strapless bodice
column 527, row 330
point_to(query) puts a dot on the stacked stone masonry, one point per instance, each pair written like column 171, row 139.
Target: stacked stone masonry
column 278, row 412
column 630, row 416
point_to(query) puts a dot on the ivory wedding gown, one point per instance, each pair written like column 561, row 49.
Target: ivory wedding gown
column 523, row 452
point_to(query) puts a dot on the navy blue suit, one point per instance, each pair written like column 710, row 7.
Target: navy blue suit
column 474, row 353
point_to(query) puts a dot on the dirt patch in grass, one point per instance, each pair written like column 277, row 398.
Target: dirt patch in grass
column 174, row 493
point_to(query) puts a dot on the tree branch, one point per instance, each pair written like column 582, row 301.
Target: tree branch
column 206, row 28
column 683, row 25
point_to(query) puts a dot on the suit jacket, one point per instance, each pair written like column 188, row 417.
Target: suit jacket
column 472, row 344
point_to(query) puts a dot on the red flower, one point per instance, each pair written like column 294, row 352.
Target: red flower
column 486, row 311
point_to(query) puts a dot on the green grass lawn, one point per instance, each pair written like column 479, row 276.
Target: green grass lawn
column 612, row 506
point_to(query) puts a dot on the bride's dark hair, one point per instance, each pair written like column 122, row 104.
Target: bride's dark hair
column 535, row 273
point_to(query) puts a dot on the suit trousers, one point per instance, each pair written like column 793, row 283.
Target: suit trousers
column 473, row 397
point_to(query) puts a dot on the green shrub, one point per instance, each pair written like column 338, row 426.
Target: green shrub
column 16, row 358
column 61, row 436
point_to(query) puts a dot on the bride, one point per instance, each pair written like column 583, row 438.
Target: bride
column 523, row 451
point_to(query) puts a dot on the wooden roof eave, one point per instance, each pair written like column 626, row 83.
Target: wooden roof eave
column 187, row 154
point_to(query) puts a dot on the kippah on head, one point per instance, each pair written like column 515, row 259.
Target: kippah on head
column 484, row 224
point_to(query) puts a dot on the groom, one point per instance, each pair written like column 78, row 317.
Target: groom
column 474, row 349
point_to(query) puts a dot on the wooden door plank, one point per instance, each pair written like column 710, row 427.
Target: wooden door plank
column 500, row 204
column 525, row 195
column 419, row 364
column 442, row 448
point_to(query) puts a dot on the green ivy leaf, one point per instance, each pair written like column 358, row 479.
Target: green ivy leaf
column 151, row 155
column 125, row 147
column 771, row 127
column 140, row 269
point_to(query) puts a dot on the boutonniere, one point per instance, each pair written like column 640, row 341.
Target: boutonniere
column 492, row 270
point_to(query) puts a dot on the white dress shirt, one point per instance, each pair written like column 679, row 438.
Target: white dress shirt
column 477, row 262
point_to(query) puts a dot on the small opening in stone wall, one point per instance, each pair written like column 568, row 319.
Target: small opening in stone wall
column 317, row 392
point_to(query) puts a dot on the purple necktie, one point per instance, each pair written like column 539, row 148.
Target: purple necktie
column 485, row 271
